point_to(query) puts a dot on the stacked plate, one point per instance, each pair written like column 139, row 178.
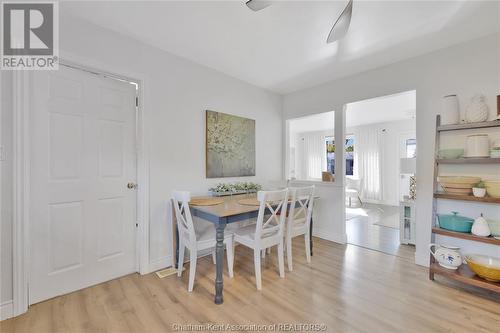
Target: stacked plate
column 460, row 185
column 495, row 150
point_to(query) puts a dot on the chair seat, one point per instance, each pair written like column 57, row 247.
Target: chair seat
column 351, row 191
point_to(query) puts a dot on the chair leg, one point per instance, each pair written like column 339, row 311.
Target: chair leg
column 214, row 260
column 230, row 256
column 263, row 254
column 256, row 259
column 268, row 250
column 307, row 240
column 180, row 262
column 361, row 202
column 350, row 201
column 192, row 268
column 289, row 253
column 281, row 259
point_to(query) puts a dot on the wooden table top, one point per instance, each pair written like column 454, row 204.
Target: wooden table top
column 230, row 206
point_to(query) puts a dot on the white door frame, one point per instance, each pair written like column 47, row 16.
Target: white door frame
column 22, row 96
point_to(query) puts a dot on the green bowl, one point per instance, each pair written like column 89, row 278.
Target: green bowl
column 494, row 227
column 450, row 153
column 455, row 222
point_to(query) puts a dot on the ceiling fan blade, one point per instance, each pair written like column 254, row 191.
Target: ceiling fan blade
column 256, row 5
column 339, row 29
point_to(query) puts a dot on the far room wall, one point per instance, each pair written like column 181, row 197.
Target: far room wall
column 390, row 148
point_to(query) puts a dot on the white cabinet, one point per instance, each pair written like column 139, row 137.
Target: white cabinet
column 407, row 222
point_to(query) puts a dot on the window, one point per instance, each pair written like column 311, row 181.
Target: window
column 411, row 148
column 306, row 158
column 349, row 154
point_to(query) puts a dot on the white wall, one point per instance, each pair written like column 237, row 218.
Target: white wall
column 176, row 94
column 462, row 69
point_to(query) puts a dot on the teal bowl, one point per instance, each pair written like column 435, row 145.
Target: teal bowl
column 455, row 222
column 450, row 154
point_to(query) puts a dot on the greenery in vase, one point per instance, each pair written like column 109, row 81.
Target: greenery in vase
column 221, row 187
column 480, row 185
column 243, row 186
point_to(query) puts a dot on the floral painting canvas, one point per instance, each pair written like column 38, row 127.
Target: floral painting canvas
column 230, row 145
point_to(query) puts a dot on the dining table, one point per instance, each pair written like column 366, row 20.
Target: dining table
column 231, row 209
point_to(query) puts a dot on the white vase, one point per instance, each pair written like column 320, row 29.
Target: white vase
column 477, row 110
column 479, row 192
column 450, row 113
column 481, row 227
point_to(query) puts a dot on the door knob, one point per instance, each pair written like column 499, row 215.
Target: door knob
column 131, row 185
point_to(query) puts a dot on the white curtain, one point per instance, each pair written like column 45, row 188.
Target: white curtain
column 313, row 155
column 367, row 161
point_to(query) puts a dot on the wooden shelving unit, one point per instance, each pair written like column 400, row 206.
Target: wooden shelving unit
column 486, row 160
column 449, row 233
column 444, row 195
column 463, row 273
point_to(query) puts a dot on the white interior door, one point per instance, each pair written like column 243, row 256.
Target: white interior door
column 83, row 215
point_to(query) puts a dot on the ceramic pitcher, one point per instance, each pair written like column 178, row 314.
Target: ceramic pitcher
column 446, row 256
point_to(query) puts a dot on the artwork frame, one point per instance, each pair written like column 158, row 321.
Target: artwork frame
column 229, row 145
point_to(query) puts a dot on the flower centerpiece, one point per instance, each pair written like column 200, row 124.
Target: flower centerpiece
column 223, row 189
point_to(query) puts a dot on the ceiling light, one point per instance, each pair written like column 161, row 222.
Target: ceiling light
column 256, row 5
column 339, row 29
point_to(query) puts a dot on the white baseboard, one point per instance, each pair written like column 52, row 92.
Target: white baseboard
column 159, row 264
column 6, row 310
column 325, row 234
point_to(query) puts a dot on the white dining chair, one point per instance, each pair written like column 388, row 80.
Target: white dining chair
column 299, row 220
column 353, row 189
column 267, row 231
column 196, row 237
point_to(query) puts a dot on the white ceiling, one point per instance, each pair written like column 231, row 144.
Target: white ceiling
column 282, row 47
column 371, row 111
column 318, row 122
column 382, row 109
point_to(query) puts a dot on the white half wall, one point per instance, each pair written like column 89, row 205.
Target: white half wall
column 462, row 69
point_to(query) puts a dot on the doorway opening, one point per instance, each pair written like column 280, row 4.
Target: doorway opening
column 380, row 148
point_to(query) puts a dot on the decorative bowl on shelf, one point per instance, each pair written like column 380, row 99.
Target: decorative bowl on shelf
column 493, row 188
column 455, row 222
column 486, row 267
column 494, row 227
column 460, row 185
column 450, row 153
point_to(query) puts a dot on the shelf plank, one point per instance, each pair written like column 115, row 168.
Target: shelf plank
column 486, row 160
column 443, row 195
column 461, row 235
column 465, row 275
column 486, row 124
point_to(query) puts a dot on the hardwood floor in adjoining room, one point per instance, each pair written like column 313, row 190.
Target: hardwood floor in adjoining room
column 347, row 288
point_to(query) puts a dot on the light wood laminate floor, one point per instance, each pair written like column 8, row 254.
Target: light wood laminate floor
column 347, row 288
column 367, row 226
